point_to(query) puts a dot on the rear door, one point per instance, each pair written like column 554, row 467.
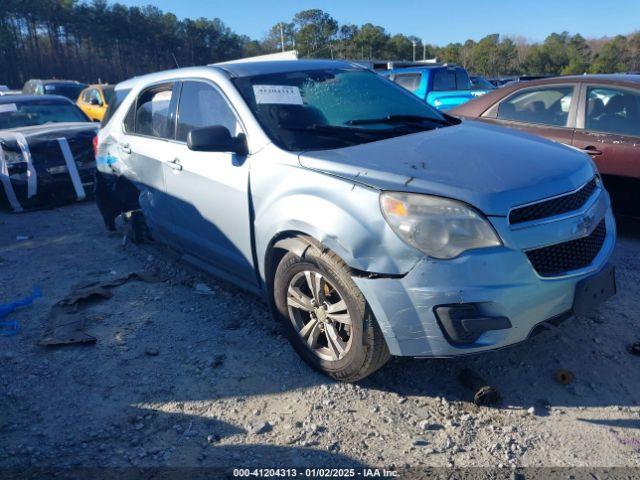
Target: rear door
column 209, row 190
column 145, row 151
column 450, row 87
column 609, row 129
column 545, row 110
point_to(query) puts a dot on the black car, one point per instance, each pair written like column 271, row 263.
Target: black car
column 67, row 88
column 46, row 152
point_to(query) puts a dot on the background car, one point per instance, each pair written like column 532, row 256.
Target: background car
column 480, row 85
column 94, row 100
column 441, row 86
column 599, row 114
column 46, row 150
column 67, row 88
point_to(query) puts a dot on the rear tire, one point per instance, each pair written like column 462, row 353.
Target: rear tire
column 326, row 317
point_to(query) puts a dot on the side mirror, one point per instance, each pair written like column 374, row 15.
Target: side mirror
column 216, row 139
column 95, row 102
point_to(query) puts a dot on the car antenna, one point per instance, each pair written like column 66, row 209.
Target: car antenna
column 175, row 60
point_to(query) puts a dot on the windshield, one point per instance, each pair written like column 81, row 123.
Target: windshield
column 15, row 115
column 334, row 108
column 69, row 90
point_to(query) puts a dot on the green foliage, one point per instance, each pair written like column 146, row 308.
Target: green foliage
column 96, row 40
column 104, row 41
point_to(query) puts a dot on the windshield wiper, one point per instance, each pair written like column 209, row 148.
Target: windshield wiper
column 398, row 119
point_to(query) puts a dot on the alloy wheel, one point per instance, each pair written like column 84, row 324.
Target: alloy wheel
column 320, row 315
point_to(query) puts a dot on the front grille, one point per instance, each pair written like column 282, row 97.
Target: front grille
column 564, row 257
column 555, row 206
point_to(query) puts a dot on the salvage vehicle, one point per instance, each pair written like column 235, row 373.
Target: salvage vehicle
column 442, row 86
column 46, row 152
column 373, row 224
column 599, row 114
column 94, row 100
column 67, row 88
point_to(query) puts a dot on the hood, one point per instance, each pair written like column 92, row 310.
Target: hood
column 51, row 131
column 492, row 168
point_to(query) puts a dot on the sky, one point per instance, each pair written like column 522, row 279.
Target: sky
column 436, row 22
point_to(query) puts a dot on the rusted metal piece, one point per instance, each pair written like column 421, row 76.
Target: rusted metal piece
column 67, row 320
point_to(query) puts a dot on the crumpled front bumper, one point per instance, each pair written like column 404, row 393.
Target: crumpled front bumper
column 500, row 281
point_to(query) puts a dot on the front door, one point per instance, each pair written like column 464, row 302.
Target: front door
column 611, row 135
column 209, row 190
column 545, row 110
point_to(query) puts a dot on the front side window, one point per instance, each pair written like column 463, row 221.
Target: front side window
column 444, row 80
column 449, row 79
column 152, row 114
column 544, row 105
column 334, row 108
column 201, row 105
column 24, row 114
column 612, row 110
column 410, row 81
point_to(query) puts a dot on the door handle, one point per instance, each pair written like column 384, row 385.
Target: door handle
column 175, row 164
column 125, row 148
column 591, row 150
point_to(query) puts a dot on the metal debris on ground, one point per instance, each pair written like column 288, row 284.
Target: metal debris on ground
column 565, row 377
column 634, row 349
column 66, row 321
column 484, row 394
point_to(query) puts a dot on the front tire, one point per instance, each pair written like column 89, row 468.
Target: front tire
column 326, row 316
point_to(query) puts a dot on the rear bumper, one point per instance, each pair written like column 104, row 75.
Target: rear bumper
column 500, row 282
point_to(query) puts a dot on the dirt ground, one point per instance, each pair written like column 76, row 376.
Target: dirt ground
column 183, row 375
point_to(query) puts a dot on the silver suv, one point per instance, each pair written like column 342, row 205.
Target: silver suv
column 373, row 224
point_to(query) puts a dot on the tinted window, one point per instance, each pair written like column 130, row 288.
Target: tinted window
column 69, row 90
column 544, row 105
column 201, row 105
column 410, row 81
column 118, row 97
column 613, row 111
column 462, row 80
column 107, row 92
column 15, row 115
column 153, row 112
column 444, row 80
column 86, row 95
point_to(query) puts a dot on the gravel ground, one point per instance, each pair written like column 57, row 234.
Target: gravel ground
column 182, row 376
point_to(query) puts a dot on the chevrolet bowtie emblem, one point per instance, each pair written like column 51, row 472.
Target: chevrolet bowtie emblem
column 585, row 224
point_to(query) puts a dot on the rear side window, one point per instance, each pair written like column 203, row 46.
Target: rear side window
column 117, row 98
column 410, row 81
column 544, row 105
column 153, row 112
column 613, row 110
column 201, row 105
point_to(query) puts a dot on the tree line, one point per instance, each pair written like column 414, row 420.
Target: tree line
column 97, row 40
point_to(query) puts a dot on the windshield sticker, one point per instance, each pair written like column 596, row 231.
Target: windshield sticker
column 8, row 107
column 277, row 94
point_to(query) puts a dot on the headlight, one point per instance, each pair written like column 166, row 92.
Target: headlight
column 437, row 226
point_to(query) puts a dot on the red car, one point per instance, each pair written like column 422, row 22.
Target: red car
column 599, row 114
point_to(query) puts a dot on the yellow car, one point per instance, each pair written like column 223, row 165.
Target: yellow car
column 94, row 100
